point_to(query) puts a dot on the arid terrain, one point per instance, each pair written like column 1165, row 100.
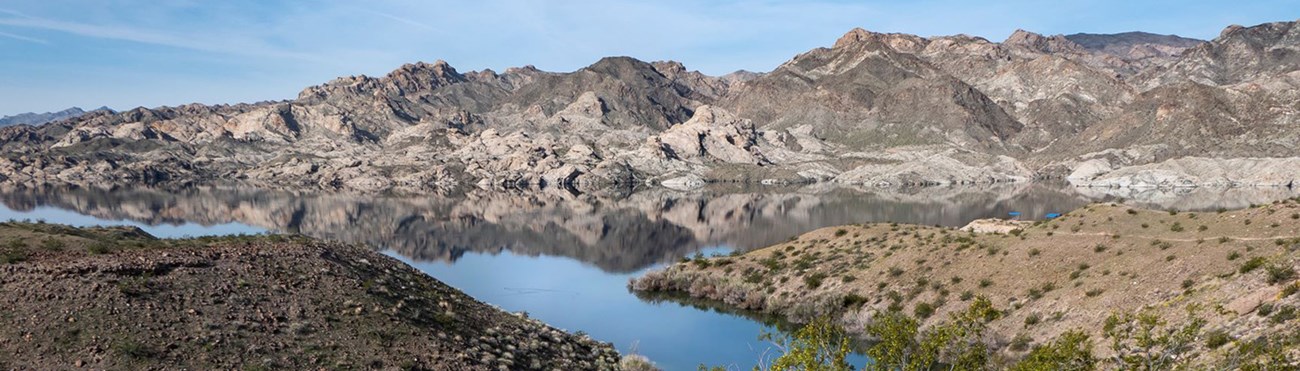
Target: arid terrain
column 116, row 298
column 1235, row 270
column 1123, row 110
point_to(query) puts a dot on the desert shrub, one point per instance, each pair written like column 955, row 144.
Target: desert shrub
column 1252, row 264
column 12, row 256
column 1290, row 289
column 1145, row 341
column 814, row 280
column 100, row 247
column 1032, row 319
column 923, row 310
column 52, row 244
column 1283, row 314
column 1278, row 272
column 1176, row 227
column 1021, row 342
column 1072, row 351
column 966, row 295
column 1264, row 310
column 1216, row 338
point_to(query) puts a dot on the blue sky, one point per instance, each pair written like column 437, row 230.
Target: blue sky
column 129, row 53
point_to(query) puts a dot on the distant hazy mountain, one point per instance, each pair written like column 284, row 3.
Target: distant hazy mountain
column 873, row 108
column 31, row 118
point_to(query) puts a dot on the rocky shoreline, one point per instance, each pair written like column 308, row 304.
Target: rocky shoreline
column 117, row 298
column 1234, row 269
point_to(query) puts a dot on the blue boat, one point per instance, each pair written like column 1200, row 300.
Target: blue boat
column 1053, row 215
column 1014, row 213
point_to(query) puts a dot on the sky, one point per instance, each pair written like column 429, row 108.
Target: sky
column 130, row 53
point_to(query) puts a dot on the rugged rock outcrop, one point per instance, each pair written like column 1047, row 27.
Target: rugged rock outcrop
column 874, row 108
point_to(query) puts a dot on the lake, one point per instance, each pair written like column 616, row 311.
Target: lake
column 565, row 257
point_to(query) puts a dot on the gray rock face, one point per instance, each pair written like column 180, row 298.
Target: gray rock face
column 874, row 108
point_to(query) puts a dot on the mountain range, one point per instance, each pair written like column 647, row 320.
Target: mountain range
column 1120, row 110
column 32, row 118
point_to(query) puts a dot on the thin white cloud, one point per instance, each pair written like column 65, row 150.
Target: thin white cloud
column 23, row 38
column 408, row 21
column 146, row 37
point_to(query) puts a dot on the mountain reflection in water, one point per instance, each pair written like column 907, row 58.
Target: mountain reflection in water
column 568, row 256
column 617, row 231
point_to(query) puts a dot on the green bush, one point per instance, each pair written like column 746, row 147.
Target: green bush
column 1072, row 351
column 956, row 343
column 853, row 301
column 1217, row 338
column 1032, row 319
column 1144, row 341
column 923, row 310
column 1279, row 272
column 1252, row 264
column 819, row 345
column 814, row 280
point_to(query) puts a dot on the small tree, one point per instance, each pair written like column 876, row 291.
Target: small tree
column 958, row 341
column 818, row 346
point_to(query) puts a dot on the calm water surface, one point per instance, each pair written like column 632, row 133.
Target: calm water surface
column 565, row 257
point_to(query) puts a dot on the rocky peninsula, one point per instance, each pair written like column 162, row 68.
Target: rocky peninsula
column 117, row 298
column 1230, row 273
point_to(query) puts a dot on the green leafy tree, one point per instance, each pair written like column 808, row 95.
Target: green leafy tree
column 818, row 346
column 1072, row 351
column 956, row 343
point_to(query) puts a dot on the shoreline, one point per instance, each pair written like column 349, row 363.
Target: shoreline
column 1050, row 277
column 116, row 297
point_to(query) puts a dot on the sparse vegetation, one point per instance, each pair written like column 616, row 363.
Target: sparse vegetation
column 1252, row 264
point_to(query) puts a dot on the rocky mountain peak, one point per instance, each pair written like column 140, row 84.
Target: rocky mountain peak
column 619, row 66
column 897, row 41
column 421, row 76
column 521, row 70
column 1043, row 44
column 1239, row 54
column 740, row 76
column 669, row 67
column 1228, row 31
